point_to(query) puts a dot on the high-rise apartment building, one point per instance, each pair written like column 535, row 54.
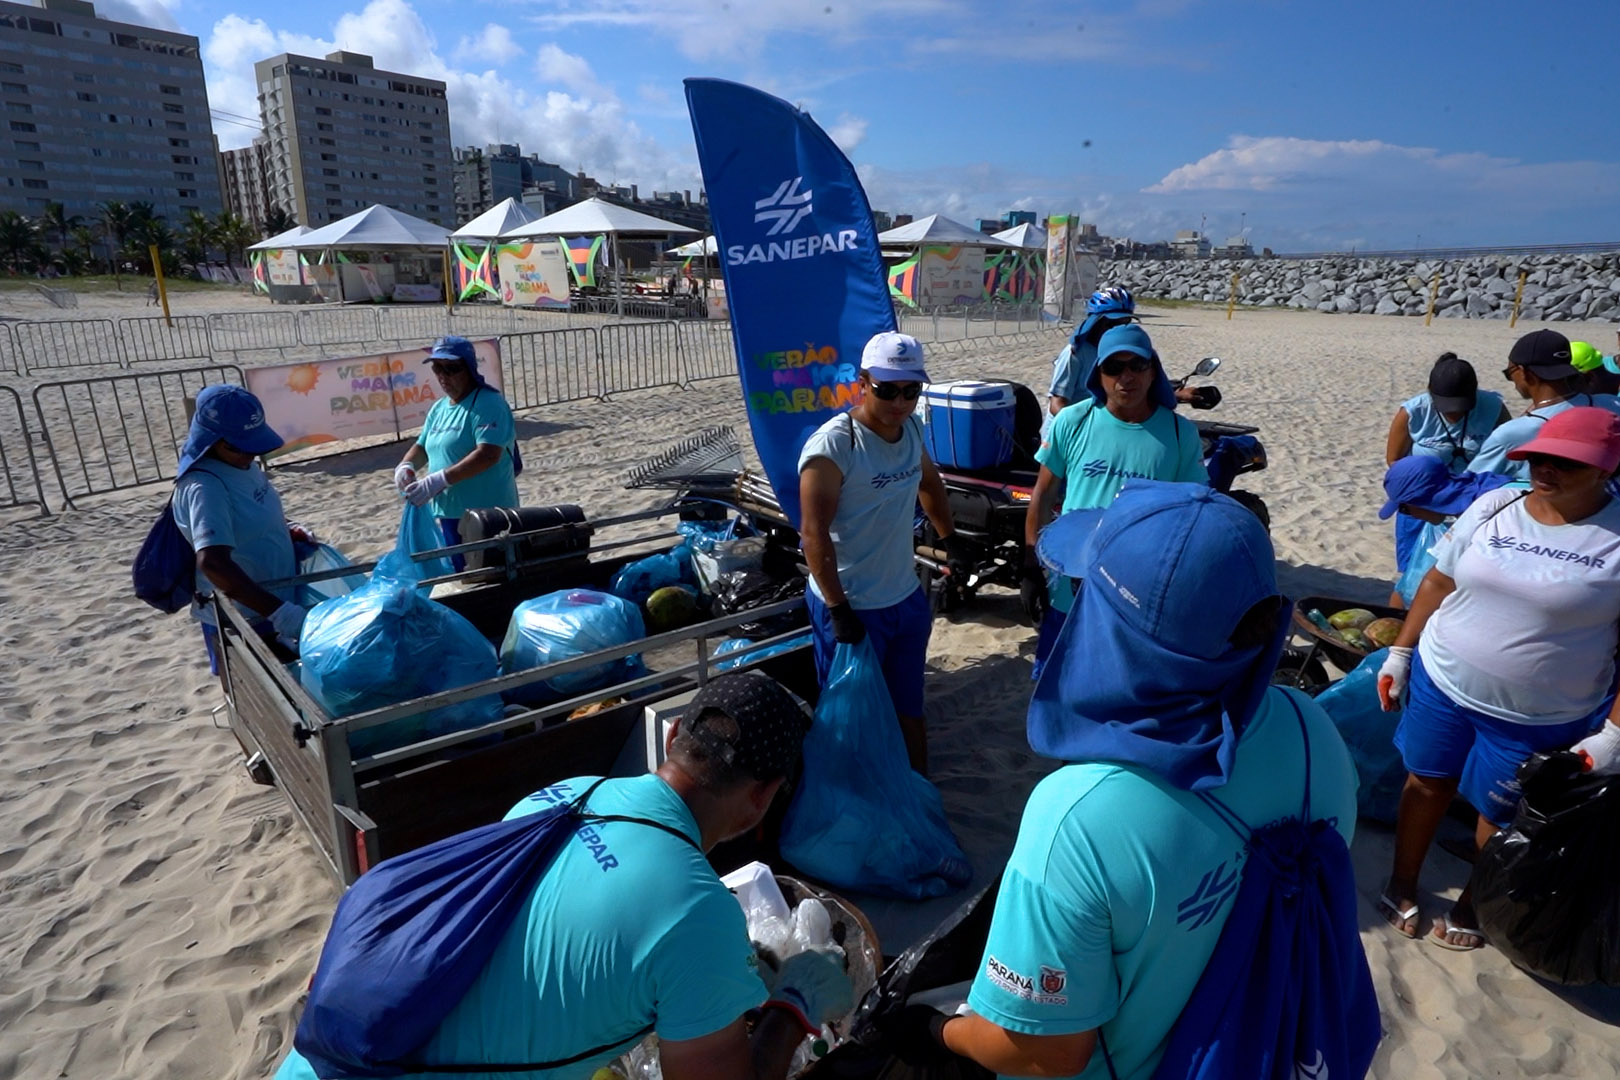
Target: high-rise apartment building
column 98, row 111
column 499, row 171
column 245, row 181
column 343, row 135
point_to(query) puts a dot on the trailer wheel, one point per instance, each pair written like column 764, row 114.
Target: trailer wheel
column 1300, row 669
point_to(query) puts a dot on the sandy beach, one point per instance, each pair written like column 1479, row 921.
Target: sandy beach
column 160, row 914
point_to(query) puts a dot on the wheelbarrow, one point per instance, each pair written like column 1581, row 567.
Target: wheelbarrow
column 1301, row 664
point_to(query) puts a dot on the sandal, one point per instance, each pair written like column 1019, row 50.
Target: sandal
column 1388, row 908
column 1445, row 927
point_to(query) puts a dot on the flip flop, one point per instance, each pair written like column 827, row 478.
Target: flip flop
column 1445, row 926
column 1388, row 907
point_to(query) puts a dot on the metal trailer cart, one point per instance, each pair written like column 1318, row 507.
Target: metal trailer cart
column 360, row 810
column 1301, row 665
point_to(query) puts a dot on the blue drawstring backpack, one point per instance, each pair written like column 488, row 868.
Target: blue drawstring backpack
column 1287, row 994
column 164, row 572
column 410, row 937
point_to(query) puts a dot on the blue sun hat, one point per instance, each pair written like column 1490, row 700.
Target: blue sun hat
column 1425, row 482
column 1130, row 338
column 229, row 414
column 454, row 347
column 1144, row 672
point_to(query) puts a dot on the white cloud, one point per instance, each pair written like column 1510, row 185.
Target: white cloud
column 492, row 45
column 154, row 13
column 849, row 132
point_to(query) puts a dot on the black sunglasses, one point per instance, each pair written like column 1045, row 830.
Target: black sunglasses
column 888, row 391
column 1559, row 463
column 1115, row 366
column 1507, row 372
column 448, row 369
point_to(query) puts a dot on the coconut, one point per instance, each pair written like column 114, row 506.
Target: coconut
column 1351, row 618
column 1382, row 632
column 1353, row 638
column 671, row 608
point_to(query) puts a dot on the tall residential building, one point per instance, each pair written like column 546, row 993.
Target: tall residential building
column 500, row 171
column 99, row 111
column 245, row 181
column 343, row 135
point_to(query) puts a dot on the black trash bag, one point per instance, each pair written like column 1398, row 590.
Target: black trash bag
column 744, row 590
column 1545, row 888
column 950, row 954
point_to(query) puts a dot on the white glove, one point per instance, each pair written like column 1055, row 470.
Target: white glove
column 1392, row 677
column 404, row 476
column 422, row 492
column 814, row 986
column 288, row 622
column 1602, row 750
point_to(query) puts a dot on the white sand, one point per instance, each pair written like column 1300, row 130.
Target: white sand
column 160, row 915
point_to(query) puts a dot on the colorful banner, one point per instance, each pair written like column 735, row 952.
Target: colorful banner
column 284, row 266
column 903, row 281
column 582, row 253
column 326, row 401
column 1058, row 294
column 473, row 270
column 950, row 275
column 533, row 275
column 261, row 283
column 803, row 272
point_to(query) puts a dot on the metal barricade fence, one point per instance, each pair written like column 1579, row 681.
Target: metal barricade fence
column 638, row 356
column 106, row 433
column 17, row 448
column 147, row 340
column 548, row 367
column 337, row 326
column 487, row 320
column 411, row 324
column 707, row 351
column 10, row 358
column 68, row 343
column 252, row 331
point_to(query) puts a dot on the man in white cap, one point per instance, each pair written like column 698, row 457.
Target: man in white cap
column 861, row 476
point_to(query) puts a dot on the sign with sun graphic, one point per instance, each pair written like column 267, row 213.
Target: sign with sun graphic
column 323, row 401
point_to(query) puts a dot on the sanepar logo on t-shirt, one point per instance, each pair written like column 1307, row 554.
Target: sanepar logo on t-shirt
column 1512, row 543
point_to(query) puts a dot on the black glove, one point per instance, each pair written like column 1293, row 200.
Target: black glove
column 961, row 557
column 1205, row 397
column 915, row 1035
column 1032, row 588
column 847, row 626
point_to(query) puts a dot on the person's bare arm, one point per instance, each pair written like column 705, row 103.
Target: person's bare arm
column 1055, row 404
column 415, row 457
column 820, row 484
column 484, row 456
column 1041, row 500
column 1010, row 1053
column 732, row 1054
column 220, row 568
column 1399, row 443
column 1433, row 589
column 936, row 501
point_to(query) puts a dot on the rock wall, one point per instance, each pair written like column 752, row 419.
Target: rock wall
column 1557, row 287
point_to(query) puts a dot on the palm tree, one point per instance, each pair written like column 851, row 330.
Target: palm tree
column 277, row 221
column 17, row 238
column 84, row 243
column 234, row 234
column 116, row 220
column 199, row 234
column 148, row 231
column 57, row 220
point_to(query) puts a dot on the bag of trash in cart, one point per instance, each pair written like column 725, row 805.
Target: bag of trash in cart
column 562, row 625
column 387, row 642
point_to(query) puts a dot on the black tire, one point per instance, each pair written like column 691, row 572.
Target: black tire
column 1300, row 669
column 1256, row 505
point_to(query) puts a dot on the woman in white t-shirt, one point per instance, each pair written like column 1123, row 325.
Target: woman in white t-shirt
column 1515, row 631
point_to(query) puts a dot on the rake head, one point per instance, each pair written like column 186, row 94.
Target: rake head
column 711, row 457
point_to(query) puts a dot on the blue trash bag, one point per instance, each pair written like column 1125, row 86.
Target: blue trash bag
column 1421, row 562
column 313, row 559
column 418, row 532
column 861, row 819
column 703, row 535
column 638, row 580
column 562, row 625
column 737, row 644
column 387, row 642
column 1369, row 732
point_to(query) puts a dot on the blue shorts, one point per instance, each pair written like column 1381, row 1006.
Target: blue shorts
column 1439, row 738
column 451, row 529
column 899, row 635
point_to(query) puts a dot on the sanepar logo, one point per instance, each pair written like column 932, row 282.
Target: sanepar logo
column 784, row 210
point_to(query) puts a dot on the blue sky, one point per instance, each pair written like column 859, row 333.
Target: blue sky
column 1314, row 126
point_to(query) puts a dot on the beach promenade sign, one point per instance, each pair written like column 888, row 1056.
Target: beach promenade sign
column 804, row 277
column 326, row 401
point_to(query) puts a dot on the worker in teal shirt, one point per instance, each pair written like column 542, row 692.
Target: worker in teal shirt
column 1122, row 877
column 631, row 931
column 468, row 445
column 1126, row 427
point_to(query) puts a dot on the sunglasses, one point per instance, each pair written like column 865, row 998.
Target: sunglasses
column 1559, row 463
column 448, row 369
column 1115, row 366
column 1507, row 372
column 888, row 391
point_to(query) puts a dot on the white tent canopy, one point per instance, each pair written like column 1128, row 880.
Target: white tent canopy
column 937, row 229
column 502, row 218
column 706, row 246
column 375, row 227
column 1024, row 236
column 597, row 217
column 281, row 239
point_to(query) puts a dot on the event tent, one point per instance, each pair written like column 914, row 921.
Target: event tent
column 409, row 247
column 281, row 239
column 497, row 221
column 937, row 229
column 706, row 246
column 376, row 226
column 1024, row 236
column 598, row 217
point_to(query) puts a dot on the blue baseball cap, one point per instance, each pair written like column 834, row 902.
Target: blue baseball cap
column 1424, row 481
column 1130, row 338
column 453, row 347
column 231, row 414
column 1145, row 671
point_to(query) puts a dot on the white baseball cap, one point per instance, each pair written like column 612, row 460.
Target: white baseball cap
column 894, row 357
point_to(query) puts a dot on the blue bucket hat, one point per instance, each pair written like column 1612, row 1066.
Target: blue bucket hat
column 1132, row 339
column 1424, row 481
column 1144, row 671
column 453, row 347
column 230, row 414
